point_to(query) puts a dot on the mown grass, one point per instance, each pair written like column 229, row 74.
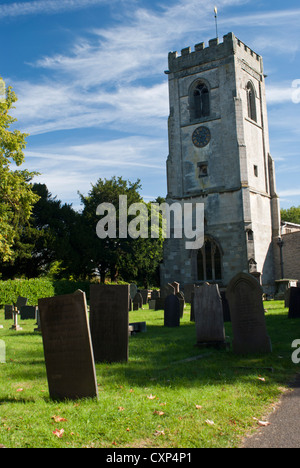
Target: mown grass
column 154, row 400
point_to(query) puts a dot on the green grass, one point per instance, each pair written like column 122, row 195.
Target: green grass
column 153, row 400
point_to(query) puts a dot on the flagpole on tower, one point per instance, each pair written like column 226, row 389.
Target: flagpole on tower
column 216, row 19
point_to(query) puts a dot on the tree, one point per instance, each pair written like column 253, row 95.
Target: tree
column 16, row 196
column 291, row 215
column 119, row 256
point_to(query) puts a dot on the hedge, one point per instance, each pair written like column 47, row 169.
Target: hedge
column 38, row 288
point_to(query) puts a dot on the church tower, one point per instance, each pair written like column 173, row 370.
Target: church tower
column 219, row 155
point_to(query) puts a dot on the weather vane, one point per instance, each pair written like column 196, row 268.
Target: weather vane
column 216, row 19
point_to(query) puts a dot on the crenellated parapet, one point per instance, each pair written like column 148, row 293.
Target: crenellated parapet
column 214, row 51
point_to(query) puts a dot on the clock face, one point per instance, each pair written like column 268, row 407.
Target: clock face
column 201, row 137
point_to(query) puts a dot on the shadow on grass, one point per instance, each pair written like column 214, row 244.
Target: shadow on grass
column 158, row 354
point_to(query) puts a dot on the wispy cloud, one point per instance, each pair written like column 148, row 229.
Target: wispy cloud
column 44, row 7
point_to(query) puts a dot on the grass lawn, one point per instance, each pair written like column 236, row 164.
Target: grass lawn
column 154, row 400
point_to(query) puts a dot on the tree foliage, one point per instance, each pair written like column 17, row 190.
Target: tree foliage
column 16, row 195
column 291, row 215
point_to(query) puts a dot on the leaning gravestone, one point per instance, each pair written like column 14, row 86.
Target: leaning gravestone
column 172, row 311
column 244, row 295
column 294, row 303
column 68, row 347
column 209, row 315
column 109, row 322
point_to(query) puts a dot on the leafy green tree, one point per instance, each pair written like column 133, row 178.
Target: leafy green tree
column 121, row 257
column 291, row 215
column 16, row 196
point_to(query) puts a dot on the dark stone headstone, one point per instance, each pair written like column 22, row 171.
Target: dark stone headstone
column 225, row 305
column 244, row 295
column 8, row 312
column 294, row 303
column 67, row 347
column 172, row 311
column 159, row 303
column 188, row 290
column 28, row 312
column 209, row 315
column 166, row 290
column 109, row 322
column 144, row 294
column 181, row 302
column 137, row 302
column 137, row 327
column 21, row 302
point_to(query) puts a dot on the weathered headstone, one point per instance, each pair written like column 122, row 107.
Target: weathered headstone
column 28, row 312
column 181, row 302
column 244, row 295
column 67, row 347
column 226, row 310
column 172, row 311
column 137, row 301
column 209, row 315
column 176, row 286
column 152, row 303
column 188, row 290
column 8, row 312
column 15, row 325
column 133, row 290
column 294, row 303
column 21, row 302
column 166, row 290
column 109, row 322
column 137, row 327
column 144, row 294
column 155, row 294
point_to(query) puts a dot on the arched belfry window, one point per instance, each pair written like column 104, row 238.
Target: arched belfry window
column 199, row 101
column 209, row 261
column 251, row 102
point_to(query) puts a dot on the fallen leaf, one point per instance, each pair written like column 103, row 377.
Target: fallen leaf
column 58, row 419
column 198, row 406
column 160, row 413
column 208, row 421
column 58, row 433
column 262, row 379
column 151, row 397
column 158, row 433
column 19, row 389
column 263, row 423
column 121, row 408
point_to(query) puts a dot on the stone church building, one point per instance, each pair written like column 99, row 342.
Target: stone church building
column 219, row 156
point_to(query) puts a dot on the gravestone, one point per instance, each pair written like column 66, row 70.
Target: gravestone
column 8, row 312
column 67, row 347
column 15, row 325
column 244, row 295
column 144, row 294
column 188, row 290
column 137, row 301
column 159, row 303
column 181, row 302
column 109, row 322
column 172, row 311
column 226, row 311
column 21, row 302
column 155, row 294
column 166, row 290
column 294, row 303
column 152, row 303
column 137, row 327
column 209, row 315
column 133, row 290
column 176, row 286
column 28, row 312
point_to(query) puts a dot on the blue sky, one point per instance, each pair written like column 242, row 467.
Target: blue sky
column 93, row 95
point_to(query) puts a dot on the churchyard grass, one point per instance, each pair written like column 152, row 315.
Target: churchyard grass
column 157, row 399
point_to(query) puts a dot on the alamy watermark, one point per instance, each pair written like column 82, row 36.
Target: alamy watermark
column 296, row 91
column 296, row 353
column 176, row 220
